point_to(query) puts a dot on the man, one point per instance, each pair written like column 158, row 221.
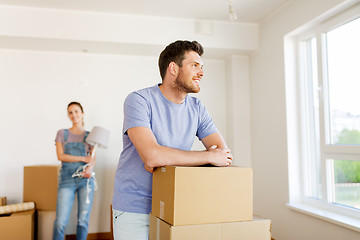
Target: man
column 160, row 125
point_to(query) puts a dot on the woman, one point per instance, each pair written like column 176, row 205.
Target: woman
column 75, row 176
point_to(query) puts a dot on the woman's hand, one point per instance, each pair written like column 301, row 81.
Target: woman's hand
column 89, row 159
column 88, row 171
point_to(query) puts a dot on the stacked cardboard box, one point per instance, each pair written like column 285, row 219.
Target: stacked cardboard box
column 204, row 203
column 18, row 225
column 40, row 186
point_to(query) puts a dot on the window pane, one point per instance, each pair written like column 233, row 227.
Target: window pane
column 315, row 143
column 344, row 83
column 314, row 187
column 347, row 183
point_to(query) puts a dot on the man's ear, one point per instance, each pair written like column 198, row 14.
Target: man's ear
column 173, row 68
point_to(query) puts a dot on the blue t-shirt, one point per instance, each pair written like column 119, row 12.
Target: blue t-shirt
column 173, row 125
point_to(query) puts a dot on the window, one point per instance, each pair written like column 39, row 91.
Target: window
column 327, row 101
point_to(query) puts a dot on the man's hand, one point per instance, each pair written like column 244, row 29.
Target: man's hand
column 149, row 169
column 221, row 156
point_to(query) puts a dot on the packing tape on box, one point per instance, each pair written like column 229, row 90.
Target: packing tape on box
column 162, row 209
column 157, row 229
column 2, row 201
column 17, row 207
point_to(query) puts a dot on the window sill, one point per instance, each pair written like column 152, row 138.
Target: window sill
column 344, row 221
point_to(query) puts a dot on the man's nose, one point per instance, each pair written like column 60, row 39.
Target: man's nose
column 201, row 73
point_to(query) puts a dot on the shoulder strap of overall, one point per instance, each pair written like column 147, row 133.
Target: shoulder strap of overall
column 85, row 135
column 66, row 132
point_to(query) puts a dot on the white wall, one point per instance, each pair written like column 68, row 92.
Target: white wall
column 35, row 90
column 238, row 109
column 43, row 67
column 268, row 122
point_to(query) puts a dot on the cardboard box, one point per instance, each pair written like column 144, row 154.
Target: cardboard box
column 202, row 195
column 257, row 229
column 18, row 225
column 40, row 186
column 45, row 224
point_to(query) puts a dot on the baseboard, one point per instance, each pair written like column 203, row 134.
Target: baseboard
column 92, row 236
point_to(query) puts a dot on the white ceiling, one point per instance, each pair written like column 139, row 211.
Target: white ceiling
column 252, row 11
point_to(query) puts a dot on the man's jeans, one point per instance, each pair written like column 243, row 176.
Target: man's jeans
column 130, row 226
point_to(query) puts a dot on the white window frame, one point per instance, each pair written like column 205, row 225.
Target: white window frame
column 299, row 149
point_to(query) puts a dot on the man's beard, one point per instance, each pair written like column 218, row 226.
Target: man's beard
column 183, row 85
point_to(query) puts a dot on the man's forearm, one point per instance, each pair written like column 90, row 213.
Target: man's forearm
column 163, row 156
column 156, row 155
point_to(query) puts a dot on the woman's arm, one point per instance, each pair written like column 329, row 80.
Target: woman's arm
column 89, row 169
column 70, row 158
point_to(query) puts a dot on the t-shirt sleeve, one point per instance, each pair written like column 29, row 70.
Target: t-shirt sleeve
column 136, row 112
column 60, row 136
column 206, row 125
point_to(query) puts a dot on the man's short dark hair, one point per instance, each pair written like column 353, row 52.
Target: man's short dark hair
column 175, row 52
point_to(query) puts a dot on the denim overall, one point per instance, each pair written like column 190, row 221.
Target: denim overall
column 68, row 186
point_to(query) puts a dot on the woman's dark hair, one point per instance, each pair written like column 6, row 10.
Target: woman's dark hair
column 175, row 52
column 76, row 103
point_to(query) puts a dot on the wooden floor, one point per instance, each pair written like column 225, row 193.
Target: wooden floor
column 98, row 236
column 93, row 236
